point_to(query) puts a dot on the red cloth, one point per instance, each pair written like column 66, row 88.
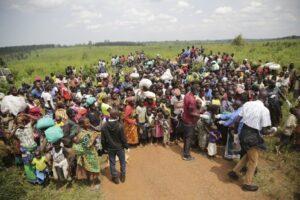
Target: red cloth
column 189, row 104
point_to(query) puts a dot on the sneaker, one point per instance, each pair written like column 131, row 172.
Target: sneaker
column 188, row 158
column 115, row 180
column 122, row 178
column 232, row 175
column 251, row 188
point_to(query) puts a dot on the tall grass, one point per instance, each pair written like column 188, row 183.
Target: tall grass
column 43, row 62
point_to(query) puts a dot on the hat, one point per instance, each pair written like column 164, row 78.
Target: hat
column 37, row 78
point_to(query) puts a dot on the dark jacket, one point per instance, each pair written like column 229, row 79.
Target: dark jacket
column 112, row 136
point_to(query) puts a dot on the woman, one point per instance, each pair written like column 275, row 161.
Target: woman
column 88, row 166
column 130, row 124
column 24, row 133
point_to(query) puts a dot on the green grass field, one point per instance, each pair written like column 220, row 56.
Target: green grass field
column 279, row 178
column 42, row 62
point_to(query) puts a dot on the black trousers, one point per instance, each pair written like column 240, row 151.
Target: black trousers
column 187, row 139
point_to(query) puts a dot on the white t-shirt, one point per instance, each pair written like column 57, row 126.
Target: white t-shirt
column 178, row 104
column 47, row 97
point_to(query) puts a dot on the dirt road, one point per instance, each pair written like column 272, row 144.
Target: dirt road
column 155, row 172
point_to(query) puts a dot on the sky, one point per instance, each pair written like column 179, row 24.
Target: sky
column 26, row 22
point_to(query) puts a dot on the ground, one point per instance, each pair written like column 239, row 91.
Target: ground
column 155, row 172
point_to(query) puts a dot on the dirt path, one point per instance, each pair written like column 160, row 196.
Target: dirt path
column 155, row 172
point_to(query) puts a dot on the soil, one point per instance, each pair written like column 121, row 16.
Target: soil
column 156, row 172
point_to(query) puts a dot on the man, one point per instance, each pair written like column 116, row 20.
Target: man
column 256, row 118
column 190, row 117
column 114, row 141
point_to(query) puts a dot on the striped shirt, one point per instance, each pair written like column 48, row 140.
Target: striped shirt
column 255, row 115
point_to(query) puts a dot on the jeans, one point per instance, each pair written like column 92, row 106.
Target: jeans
column 187, row 139
column 112, row 162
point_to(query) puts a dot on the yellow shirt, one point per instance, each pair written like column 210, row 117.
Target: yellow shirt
column 40, row 164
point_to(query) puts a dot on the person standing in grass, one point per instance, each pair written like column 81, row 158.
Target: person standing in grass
column 256, row 118
column 113, row 141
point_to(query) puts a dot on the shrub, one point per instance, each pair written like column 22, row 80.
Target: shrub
column 238, row 41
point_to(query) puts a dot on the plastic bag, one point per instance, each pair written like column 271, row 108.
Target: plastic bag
column 13, row 104
column 53, row 134
column 45, row 122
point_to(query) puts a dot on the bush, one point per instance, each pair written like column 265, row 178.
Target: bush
column 238, row 41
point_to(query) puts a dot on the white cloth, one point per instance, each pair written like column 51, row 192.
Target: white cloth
column 255, row 115
column 212, row 149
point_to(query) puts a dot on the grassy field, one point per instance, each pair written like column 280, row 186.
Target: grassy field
column 278, row 175
column 42, row 62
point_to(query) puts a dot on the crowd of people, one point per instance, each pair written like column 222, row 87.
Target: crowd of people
column 69, row 121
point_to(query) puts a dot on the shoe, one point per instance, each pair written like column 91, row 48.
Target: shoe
column 233, row 175
column 122, row 178
column 188, row 158
column 251, row 188
column 115, row 180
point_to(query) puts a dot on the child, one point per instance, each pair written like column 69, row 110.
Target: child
column 40, row 164
column 214, row 136
column 60, row 164
column 166, row 128
column 289, row 128
column 141, row 116
column 149, row 124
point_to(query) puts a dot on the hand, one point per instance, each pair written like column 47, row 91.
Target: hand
column 218, row 116
column 127, row 150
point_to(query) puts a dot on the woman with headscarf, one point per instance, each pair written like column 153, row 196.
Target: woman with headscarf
column 130, row 123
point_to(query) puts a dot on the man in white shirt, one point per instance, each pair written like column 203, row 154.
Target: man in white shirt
column 256, row 118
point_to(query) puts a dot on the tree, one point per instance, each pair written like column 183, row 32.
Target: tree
column 238, row 40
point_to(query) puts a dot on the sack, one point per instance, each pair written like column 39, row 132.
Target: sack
column 44, row 123
column 149, row 94
column 145, row 83
column 167, row 76
column 272, row 66
column 13, row 105
column 134, row 75
column 53, row 134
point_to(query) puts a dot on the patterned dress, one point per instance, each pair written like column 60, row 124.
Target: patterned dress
column 87, row 157
column 130, row 126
